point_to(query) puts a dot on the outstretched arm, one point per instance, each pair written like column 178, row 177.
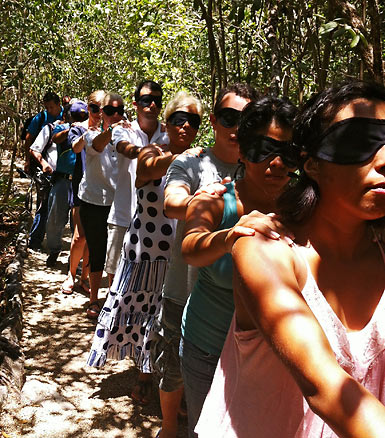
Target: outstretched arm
column 61, row 136
column 152, row 164
column 202, row 245
column 267, row 283
column 102, row 140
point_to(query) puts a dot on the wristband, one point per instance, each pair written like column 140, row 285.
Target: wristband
column 110, row 128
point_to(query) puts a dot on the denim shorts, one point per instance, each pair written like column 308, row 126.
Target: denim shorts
column 165, row 347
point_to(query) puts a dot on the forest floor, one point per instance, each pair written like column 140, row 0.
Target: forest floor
column 62, row 397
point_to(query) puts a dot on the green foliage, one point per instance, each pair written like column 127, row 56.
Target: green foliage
column 75, row 47
column 338, row 28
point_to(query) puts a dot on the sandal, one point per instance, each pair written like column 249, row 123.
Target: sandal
column 67, row 286
column 142, row 392
column 83, row 284
column 93, row 310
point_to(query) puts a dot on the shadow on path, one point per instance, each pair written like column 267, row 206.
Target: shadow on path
column 63, row 397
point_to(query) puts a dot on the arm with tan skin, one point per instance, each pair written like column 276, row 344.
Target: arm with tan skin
column 46, row 168
column 128, row 149
column 60, row 136
column 102, row 140
column 177, row 197
column 27, row 144
column 267, row 295
column 79, row 144
column 176, row 200
column 152, row 164
column 202, row 245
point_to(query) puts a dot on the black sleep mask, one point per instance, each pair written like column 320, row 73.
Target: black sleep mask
column 263, row 147
column 179, row 118
column 146, row 100
column 228, row 117
column 351, row 141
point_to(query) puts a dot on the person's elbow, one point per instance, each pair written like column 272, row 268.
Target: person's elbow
column 168, row 208
column 175, row 206
column 189, row 253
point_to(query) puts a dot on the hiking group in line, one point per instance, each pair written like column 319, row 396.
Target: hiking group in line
column 247, row 275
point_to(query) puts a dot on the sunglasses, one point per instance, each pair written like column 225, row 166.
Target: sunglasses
column 263, row 147
column 146, row 100
column 110, row 110
column 228, row 117
column 179, row 118
column 94, row 108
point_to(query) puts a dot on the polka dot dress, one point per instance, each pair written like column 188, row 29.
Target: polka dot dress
column 126, row 322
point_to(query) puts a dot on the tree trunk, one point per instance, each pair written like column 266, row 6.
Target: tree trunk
column 215, row 61
column 222, row 43
column 326, row 52
column 346, row 10
column 271, row 36
column 13, row 158
column 375, row 20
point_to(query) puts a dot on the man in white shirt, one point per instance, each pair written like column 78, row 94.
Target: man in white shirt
column 45, row 153
column 144, row 130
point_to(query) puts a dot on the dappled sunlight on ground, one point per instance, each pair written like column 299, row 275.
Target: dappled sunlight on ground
column 62, row 396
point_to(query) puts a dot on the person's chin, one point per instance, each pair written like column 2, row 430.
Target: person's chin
column 276, row 180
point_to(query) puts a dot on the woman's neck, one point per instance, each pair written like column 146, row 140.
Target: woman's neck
column 338, row 235
column 177, row 149
column 253, row 198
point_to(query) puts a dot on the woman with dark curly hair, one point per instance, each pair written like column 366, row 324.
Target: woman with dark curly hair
column 213, row 223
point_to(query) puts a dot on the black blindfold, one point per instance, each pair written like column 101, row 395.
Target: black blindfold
column 147, row 99
column 110, row 110
column 179, row 118
column 263, row 147
column 351, row 141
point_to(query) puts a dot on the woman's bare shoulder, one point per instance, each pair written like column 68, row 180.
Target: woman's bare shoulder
column 266, row 257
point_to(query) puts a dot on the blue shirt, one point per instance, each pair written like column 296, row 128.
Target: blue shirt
column 36, row 124
column 66, row 157
column 210, row 307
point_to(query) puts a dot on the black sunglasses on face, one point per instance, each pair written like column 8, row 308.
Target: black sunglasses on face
column 179, row 118
column 110, row 110
column 94, row 108
column 228, row 117
column 147, row 99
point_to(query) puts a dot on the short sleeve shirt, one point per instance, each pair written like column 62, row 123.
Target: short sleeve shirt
column 124, row 205
column 98, row 184
column 193, row 172
column 40, row 142
column 36, row 124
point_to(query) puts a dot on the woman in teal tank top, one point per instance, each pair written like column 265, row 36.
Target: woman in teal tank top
column 212, row 225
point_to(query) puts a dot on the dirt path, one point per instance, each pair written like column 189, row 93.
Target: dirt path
column 62, row 397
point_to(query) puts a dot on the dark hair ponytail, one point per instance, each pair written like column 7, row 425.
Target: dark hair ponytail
column 296, row 204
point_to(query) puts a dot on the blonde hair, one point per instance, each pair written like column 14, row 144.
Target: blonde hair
column 112, row 96
column 180, row 100
column 97, row 96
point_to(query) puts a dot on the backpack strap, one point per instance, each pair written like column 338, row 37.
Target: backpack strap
column 49, row 142
column 41, row 119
